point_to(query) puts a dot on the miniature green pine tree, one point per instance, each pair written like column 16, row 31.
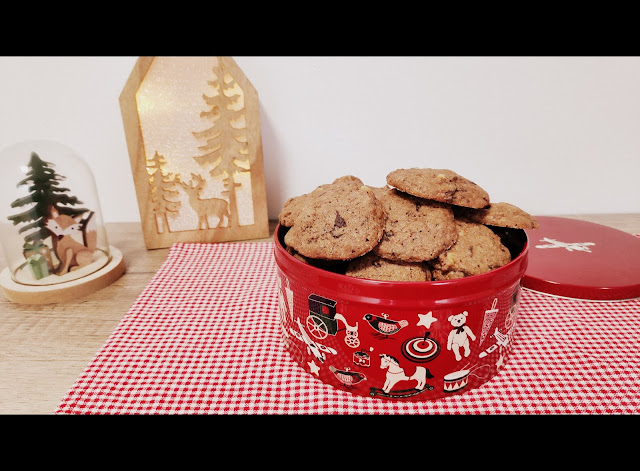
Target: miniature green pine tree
column 44, row 191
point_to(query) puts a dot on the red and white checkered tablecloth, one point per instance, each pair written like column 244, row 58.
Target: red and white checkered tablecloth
column 204, row 338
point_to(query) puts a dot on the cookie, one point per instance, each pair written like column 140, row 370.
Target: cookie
column 439, row 275
column 416, row 229
column 441, row 185
column 294, row 205
column 373, row 267
column 477, row 250
column 348, row 180
column 341, row 222
column 502, row 215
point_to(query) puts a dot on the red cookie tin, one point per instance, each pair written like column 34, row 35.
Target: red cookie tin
column 400, row 341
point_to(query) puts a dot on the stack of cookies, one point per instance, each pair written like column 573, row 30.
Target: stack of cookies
column 426, row 224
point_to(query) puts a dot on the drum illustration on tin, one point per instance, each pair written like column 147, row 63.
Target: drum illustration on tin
column 457, row 380
column 454, row 382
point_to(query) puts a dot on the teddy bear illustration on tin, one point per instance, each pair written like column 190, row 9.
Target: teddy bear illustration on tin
column 460, row 335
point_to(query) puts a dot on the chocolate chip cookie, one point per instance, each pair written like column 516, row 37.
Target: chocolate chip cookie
column 477, row 250
column 416, row 229
column 339, row 222
column 442, row 185
column 294, row 205
column 373, row 267
column 502, row 215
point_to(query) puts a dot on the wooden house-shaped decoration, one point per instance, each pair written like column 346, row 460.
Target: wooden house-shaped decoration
column 192, row 127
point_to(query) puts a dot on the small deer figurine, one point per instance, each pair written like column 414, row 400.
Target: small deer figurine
column 72, row 243
column 204, row 207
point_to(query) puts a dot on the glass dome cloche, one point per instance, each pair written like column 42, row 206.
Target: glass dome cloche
column 51, row 228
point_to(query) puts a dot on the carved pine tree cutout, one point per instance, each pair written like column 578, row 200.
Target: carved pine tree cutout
column 193, row 134
column 162, row 192
column 225, row 150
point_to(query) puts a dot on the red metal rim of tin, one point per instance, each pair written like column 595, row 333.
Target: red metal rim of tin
column 438, row 293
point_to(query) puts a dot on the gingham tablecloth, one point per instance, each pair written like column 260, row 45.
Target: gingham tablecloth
column 204, row 338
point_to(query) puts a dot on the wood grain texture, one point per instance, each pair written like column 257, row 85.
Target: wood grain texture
column 133, row 133
column 44, row 349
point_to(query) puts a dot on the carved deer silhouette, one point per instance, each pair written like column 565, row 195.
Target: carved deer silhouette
column 204, row 207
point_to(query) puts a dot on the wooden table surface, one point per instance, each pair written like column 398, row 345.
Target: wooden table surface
column 45, row 348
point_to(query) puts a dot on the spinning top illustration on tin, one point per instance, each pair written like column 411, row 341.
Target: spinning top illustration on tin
column 421, row 349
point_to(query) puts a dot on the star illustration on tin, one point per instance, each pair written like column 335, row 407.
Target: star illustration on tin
column 426, row 319
column 313, row 367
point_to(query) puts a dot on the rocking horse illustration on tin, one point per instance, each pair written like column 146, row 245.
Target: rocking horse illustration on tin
column 395, row 374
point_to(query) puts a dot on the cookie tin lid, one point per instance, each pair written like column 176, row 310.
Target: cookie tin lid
column 579, row 259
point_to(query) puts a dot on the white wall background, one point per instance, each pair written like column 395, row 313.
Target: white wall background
column 552, row 135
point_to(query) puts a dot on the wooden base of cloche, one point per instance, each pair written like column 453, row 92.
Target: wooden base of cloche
column 67, row 291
